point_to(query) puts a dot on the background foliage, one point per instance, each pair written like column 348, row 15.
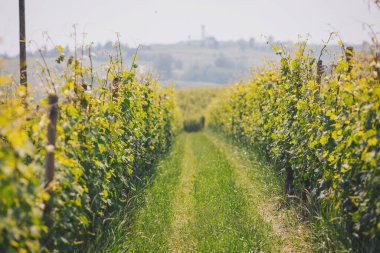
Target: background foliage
column 193, row 104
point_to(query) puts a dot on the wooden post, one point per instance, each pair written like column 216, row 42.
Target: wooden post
column 349, row 56
column 47, row 240
column 115, row 88
column 51, row 136
column 320, row 71
column 23, row 72
column 376, row 68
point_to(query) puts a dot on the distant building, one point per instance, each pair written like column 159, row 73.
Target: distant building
column 205, row 41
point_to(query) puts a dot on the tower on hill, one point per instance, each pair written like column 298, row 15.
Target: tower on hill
column 203, row 32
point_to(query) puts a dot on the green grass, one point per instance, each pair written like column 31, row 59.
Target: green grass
column 145, row 222
column 222, row 222
column 265, row 187
column 184, row 202
column 153, row 224
column 208, row 195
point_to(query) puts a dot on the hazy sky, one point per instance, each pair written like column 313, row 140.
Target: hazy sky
column 157, row 21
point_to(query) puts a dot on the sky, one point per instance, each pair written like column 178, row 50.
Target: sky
column 168, row 21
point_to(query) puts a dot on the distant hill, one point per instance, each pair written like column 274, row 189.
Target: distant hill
column 208, row 62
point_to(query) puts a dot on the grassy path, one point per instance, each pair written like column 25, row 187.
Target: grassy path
column 184, row 203
column 264, row 190
column 210, row 195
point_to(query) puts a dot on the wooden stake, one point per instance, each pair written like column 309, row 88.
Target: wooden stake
column 23, row 71
column 51, row 136
column 320, row 71
column 47, row 240
column 115, row 88
column 349, row 56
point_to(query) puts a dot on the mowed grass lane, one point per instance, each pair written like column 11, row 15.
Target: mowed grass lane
column 205, row 198
column 223, row 222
